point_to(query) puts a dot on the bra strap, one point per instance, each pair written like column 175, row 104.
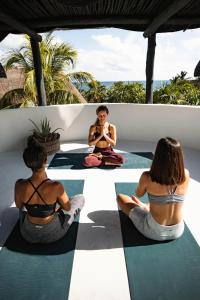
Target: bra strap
column 36, row 190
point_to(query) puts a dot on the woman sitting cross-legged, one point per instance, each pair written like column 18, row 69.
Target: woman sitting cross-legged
column 103, row 135
column 165, row 184
column 46, row 212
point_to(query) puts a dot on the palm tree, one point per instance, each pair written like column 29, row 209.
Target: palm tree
column 96, row 93
column 179, row 77
column 56, row 59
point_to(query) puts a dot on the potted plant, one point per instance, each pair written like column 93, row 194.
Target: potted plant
column 44, row 136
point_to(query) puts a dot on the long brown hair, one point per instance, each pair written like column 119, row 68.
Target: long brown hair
column 100, row 108
column 168, row 165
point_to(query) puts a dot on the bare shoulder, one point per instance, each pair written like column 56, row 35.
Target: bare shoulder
column 144, row 179
column 146, row 175
column 21, row 186
column 92, row 128
column 187, row 174
column 20, row 183
column 112, row 126
column 56, row 185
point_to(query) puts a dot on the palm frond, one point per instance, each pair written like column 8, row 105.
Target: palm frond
column 80, row 77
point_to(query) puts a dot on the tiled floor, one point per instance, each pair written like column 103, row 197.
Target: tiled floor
column 99, row 270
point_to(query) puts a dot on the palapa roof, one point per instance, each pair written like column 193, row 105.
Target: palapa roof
column 150, row 16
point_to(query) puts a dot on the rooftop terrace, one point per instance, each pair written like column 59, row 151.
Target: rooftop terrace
column 100, row 265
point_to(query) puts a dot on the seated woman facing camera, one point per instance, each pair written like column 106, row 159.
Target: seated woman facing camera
column 41, row 201
column 165, row 184
column 103, row 135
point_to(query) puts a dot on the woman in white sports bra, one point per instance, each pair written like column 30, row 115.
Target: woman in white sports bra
column 166, row 184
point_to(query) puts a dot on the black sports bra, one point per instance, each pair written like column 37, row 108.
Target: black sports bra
column 39, row 210
column 97, row 134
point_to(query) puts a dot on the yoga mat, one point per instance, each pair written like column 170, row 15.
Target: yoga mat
column 133, row 160
column 39, row 272
column 159, row 270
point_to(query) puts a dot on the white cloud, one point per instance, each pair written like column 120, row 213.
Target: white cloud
column 124, row 57
column 114, row 58
column 121, row 55
column 12, row 41
column 57, row 40
column 178, row 53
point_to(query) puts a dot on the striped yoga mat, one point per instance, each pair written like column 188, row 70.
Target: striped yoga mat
column 159, row 270
column 39, row 272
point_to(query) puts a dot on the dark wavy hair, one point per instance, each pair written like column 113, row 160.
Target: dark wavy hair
column 34, row 156
column 101, row 108
column 168, row 164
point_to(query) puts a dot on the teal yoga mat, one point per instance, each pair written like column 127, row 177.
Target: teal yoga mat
column 39, row 272
column 133, row 160
column 159, row 270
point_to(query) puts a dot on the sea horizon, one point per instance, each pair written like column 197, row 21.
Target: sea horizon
column 156, row 84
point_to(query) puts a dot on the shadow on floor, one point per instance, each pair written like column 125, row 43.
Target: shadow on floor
column 103, row 233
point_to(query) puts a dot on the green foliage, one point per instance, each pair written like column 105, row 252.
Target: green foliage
column 15, row 99
column 57, row 58
column 96, row 93
column 119, row 92
column 183, row 92
column 44, row 130
column 179, row 77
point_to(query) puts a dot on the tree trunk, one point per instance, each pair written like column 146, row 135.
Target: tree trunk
column 74, row 91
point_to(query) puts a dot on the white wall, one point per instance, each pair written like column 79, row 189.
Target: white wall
column 138, row 122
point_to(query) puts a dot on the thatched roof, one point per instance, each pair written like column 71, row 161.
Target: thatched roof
column 149, row 16
column 15, row 80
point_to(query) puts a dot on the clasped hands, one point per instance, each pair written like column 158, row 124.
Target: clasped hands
column 103, row 130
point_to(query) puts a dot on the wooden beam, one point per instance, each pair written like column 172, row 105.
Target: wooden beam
column 88, row 21
column 15, row 24
column 100, row 21
column 164, row 16
column 150, row 68
column 183, row 21
column 59, row 22
column 2, row 35
column 39, row 80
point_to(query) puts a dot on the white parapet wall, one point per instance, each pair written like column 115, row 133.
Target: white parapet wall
column 139, row 122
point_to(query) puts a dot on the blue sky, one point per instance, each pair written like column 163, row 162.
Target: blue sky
column 115, row 54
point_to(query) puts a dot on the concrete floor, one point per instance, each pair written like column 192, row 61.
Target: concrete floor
column 99, row 256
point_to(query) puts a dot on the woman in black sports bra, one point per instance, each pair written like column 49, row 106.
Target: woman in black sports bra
column 46, row 212
column 103, row 136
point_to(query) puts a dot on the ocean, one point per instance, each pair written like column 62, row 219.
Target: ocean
column 157, row 84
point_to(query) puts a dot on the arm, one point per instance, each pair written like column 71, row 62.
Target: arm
column 142, row 185
column 18, row 198
column 91, row 140
column 111, row 140
column 62, row 198
column 187, row 179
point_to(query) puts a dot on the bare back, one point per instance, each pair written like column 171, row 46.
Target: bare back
column 165, row 214
column 50, row 192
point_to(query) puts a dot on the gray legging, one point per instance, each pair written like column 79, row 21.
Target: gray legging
column 56, row 228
